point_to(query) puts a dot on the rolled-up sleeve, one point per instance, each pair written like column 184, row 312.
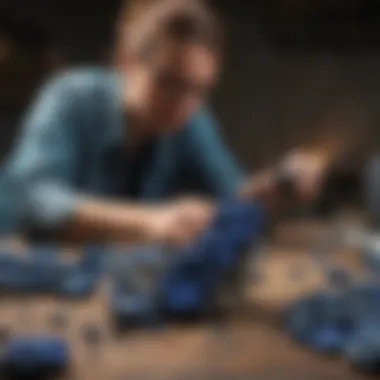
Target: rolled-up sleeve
column 209, row 159
column 42, row 165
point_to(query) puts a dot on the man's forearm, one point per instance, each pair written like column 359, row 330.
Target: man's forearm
column 256, row 186
column 267, row 188
column 96, row 220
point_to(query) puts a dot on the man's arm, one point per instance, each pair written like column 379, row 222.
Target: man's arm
column 209, row 159
column 298, row 176
column 43, row 167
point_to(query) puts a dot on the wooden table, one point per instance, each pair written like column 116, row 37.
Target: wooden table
column 250, row 347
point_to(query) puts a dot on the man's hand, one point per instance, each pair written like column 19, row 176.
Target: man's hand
column 305, row 170
column 174, row 223
column 300, row 173
column 180, row 222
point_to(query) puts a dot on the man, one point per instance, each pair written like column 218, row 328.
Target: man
column 101, row 147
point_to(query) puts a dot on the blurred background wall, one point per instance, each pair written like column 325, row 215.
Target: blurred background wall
column 298, row 72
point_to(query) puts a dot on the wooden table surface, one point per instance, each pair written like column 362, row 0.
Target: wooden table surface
column 248, row 347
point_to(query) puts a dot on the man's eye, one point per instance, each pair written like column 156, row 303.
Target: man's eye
column 178, row 86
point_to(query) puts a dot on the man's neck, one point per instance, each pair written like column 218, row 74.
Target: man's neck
column 138, row 131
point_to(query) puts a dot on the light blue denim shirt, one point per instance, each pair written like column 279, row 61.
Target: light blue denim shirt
column 70, row 128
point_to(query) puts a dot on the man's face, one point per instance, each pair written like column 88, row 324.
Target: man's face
column 172, row 84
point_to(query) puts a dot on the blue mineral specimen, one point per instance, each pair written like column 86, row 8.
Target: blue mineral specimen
column 34, row 357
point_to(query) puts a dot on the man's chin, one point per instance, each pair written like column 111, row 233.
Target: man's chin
column 170, row 127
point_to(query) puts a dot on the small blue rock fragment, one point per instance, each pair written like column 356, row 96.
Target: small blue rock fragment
column 362, row 302
column 46, row 252
column 338, row 278
column 78, row 284
column 362, row 350
column 35, row 357
column 319, row 321
column 329, row 339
